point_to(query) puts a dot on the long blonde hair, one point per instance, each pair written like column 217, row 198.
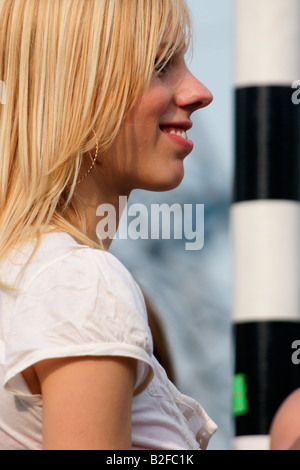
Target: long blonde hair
column 70, row 67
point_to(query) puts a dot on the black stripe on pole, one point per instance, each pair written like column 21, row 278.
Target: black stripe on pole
column 267, row 144
column 266, row 360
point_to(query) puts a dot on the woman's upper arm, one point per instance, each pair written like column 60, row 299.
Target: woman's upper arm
column 87, row 402
column 285, row 427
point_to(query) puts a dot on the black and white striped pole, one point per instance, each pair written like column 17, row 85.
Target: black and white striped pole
column 265, row 214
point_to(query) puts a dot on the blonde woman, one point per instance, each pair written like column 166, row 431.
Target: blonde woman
column 94, row 89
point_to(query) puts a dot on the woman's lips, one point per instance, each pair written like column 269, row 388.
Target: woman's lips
column 179, row 136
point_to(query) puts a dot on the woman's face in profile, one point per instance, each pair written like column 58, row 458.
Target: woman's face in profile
column 152, row 143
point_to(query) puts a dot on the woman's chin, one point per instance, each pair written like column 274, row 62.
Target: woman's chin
column 165, row 182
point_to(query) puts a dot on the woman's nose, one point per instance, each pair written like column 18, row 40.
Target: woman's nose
column 192, row 94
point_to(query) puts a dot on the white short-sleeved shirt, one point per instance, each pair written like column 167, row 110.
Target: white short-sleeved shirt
column 72, row 301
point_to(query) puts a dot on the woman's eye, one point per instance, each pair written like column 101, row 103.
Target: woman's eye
column 161, row 67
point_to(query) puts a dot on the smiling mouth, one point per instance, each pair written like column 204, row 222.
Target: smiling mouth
column 179, row 136
column 175, row 131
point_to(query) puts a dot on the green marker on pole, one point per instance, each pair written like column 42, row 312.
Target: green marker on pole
column 239, row 395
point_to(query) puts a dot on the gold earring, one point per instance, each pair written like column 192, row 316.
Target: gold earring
column 92, row 165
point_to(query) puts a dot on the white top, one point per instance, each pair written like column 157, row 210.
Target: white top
column 76, row 301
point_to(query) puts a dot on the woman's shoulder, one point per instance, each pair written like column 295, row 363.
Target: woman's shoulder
column 61, row 265
column 76, row 301
column 58, row 256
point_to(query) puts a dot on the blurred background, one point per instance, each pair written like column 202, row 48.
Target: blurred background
column 190, row 291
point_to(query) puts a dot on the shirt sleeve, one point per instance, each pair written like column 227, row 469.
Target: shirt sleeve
column 86, row 304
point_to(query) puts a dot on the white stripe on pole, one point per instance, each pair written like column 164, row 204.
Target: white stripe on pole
column 251, row 443
column 267, row 35
column 266, row 246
